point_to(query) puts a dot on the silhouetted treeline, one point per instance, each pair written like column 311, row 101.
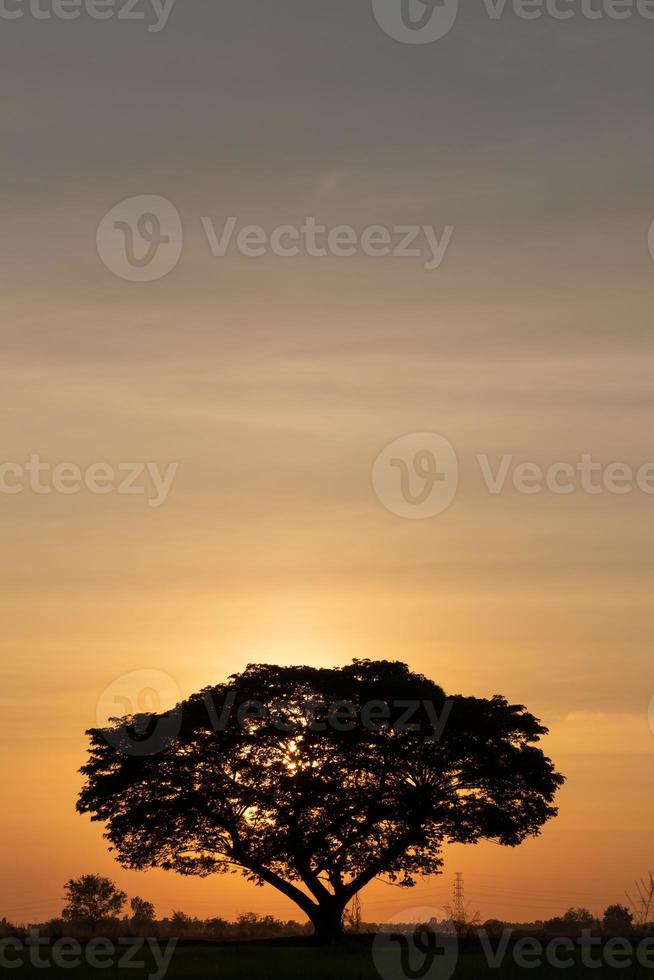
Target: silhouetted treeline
column 248, row 926
column 615, row 921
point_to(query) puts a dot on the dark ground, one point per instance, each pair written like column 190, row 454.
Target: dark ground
column 278, row 962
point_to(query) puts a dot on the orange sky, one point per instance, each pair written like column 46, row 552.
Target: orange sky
column 470, row 643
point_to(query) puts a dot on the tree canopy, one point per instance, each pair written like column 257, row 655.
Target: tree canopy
column 317, row 780
column 92, row 899
column 142, row 910
column 617, row 919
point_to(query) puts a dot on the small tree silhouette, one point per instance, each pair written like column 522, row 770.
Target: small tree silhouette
column 315, row 781
column 352, row 917
column 142, row 911
column 92, row 900
column 643, row 904
column 617, row 919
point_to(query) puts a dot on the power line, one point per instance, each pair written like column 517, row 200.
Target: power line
column 458, row 904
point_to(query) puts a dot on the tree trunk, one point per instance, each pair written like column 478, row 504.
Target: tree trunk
column 327, row 922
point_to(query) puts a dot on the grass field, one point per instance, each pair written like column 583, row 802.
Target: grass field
column 279, row 963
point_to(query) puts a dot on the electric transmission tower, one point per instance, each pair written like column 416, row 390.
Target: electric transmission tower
column 458, row 905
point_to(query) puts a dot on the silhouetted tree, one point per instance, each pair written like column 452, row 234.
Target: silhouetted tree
column 580, row 916
column 142, row 911
column 617, row 919
column 352, row 918
column 316, row 781
column 183, row 924
column 571, row 922
column 643, row 905
column 8, row 930
column 494, row 927
column 92, row 900
column 217, row 927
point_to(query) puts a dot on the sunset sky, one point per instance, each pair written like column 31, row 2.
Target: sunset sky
column 275, row 382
